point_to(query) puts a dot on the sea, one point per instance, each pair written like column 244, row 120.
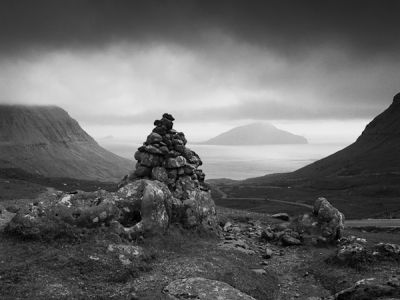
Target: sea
column 241, row 162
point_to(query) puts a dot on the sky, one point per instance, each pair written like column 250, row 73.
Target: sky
column 322, row 69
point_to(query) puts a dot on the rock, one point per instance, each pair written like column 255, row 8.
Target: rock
column 371, row 288
column 150, row 160
column 352, row 251
column 352, row 254
column 142, row 171
column 174, row 163
column 267, row 235
column 168, row 124
column 325, row 225
column 153, row 150
column 168, row 117
column 330, row 220
column 227, row 226
column 5, row 217
column 290, row 238
column 259, row 271
column 387, row 250
column 203, row 289
column 161, row 130
column 160, row 174
column 281, row 216
column 154, row 138
column 267, row 253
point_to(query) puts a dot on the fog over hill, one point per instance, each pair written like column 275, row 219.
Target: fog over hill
column 45, row 140
column 256, row 134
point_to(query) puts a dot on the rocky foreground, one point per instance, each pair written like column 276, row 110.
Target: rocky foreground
column 159, row 237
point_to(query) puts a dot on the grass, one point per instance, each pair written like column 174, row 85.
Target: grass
column 355, row 202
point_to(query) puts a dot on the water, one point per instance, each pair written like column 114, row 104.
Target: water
column 240, row 162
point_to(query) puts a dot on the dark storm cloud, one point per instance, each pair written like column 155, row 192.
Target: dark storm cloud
column 364, row 27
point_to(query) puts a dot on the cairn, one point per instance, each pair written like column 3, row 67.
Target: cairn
column 165, row 157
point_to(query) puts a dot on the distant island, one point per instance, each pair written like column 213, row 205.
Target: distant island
column 256, row 134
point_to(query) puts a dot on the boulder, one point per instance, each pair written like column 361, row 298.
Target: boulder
column 324, row 225
column 203, row 289
column 142, row 207
column 330, row 220
column 371, row 288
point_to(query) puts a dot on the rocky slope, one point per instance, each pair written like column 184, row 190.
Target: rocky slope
column 376, row 151
column 45, row 140
column 256, row 134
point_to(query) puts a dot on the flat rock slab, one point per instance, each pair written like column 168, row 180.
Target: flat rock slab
column 203, row 289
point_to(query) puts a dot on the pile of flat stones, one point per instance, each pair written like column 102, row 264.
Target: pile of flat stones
column 165, row 157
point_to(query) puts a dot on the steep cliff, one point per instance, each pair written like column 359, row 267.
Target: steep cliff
column 45, row 140
column 376, row 151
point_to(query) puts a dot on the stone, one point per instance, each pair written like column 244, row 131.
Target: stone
column 259, row 271
column 153, row 150
column 325, row 225
column 174, row 163
column 6, row 216
column 290, row 238
column 267, row 253
column 160, row 174
column 371, row 288
column 161, row 130
column 227, row 226
column 330, row 220
column 168, row 117
column 352, row 254
column 150, row 160
column 387, row 250
column 153, row 138
column 143, row 171
column 168, row 124
column 281, row 216
column 203, row 289
column 267, row 235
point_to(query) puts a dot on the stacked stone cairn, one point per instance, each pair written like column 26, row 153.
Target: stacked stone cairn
column 166, row 188
column 165, row 157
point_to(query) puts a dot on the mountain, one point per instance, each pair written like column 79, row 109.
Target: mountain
column 376, row 151
column 45, row 140
column 256, row 134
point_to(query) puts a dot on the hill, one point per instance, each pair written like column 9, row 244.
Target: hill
column 256, row 134
column 45, row 140
column 362, row 180
column 376, row 151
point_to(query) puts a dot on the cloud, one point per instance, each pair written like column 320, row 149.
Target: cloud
column 126, row 62
column 367, row 28
column 126, row 83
